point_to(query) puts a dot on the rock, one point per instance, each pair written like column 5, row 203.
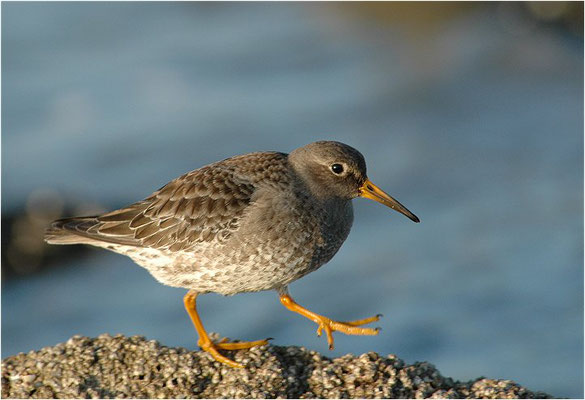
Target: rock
column 121, row 367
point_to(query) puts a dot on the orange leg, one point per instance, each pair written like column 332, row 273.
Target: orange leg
column 206, row 344
column 328, row 325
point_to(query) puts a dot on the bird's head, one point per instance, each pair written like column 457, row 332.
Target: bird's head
column 334, row 169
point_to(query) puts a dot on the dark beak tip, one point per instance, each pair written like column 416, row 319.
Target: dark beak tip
column 415, row 219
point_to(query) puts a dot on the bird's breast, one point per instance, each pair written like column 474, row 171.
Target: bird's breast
column 335, row 224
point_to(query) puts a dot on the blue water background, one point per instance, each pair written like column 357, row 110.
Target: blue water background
column 475, row 125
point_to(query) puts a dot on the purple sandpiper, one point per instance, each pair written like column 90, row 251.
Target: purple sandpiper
column 253, row 222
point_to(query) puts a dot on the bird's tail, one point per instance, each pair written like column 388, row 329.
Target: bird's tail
column 70, row 230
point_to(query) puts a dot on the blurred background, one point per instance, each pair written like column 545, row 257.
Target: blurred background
column 471, row 114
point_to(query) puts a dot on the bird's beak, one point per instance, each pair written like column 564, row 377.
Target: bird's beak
column 371, row 191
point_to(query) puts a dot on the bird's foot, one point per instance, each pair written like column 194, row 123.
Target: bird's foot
column 328, row 325
column 206, row 343
column 349, row 327
column 213, row 349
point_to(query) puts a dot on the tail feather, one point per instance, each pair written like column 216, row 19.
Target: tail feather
column 70, row 230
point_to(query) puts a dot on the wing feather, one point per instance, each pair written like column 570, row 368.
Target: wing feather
column 200, row 206
column 191, row 209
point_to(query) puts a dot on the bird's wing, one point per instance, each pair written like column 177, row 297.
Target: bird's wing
column 202, row 205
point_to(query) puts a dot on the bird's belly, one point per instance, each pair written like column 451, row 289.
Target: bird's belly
column 265, row 266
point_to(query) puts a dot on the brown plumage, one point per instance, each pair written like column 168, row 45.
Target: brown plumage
column 248, row 223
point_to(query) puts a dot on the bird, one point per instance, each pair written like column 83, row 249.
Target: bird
column 248, row 223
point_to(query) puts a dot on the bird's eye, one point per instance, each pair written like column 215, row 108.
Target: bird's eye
column 337, row 169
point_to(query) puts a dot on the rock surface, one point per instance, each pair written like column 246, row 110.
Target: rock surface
column 120, row 367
